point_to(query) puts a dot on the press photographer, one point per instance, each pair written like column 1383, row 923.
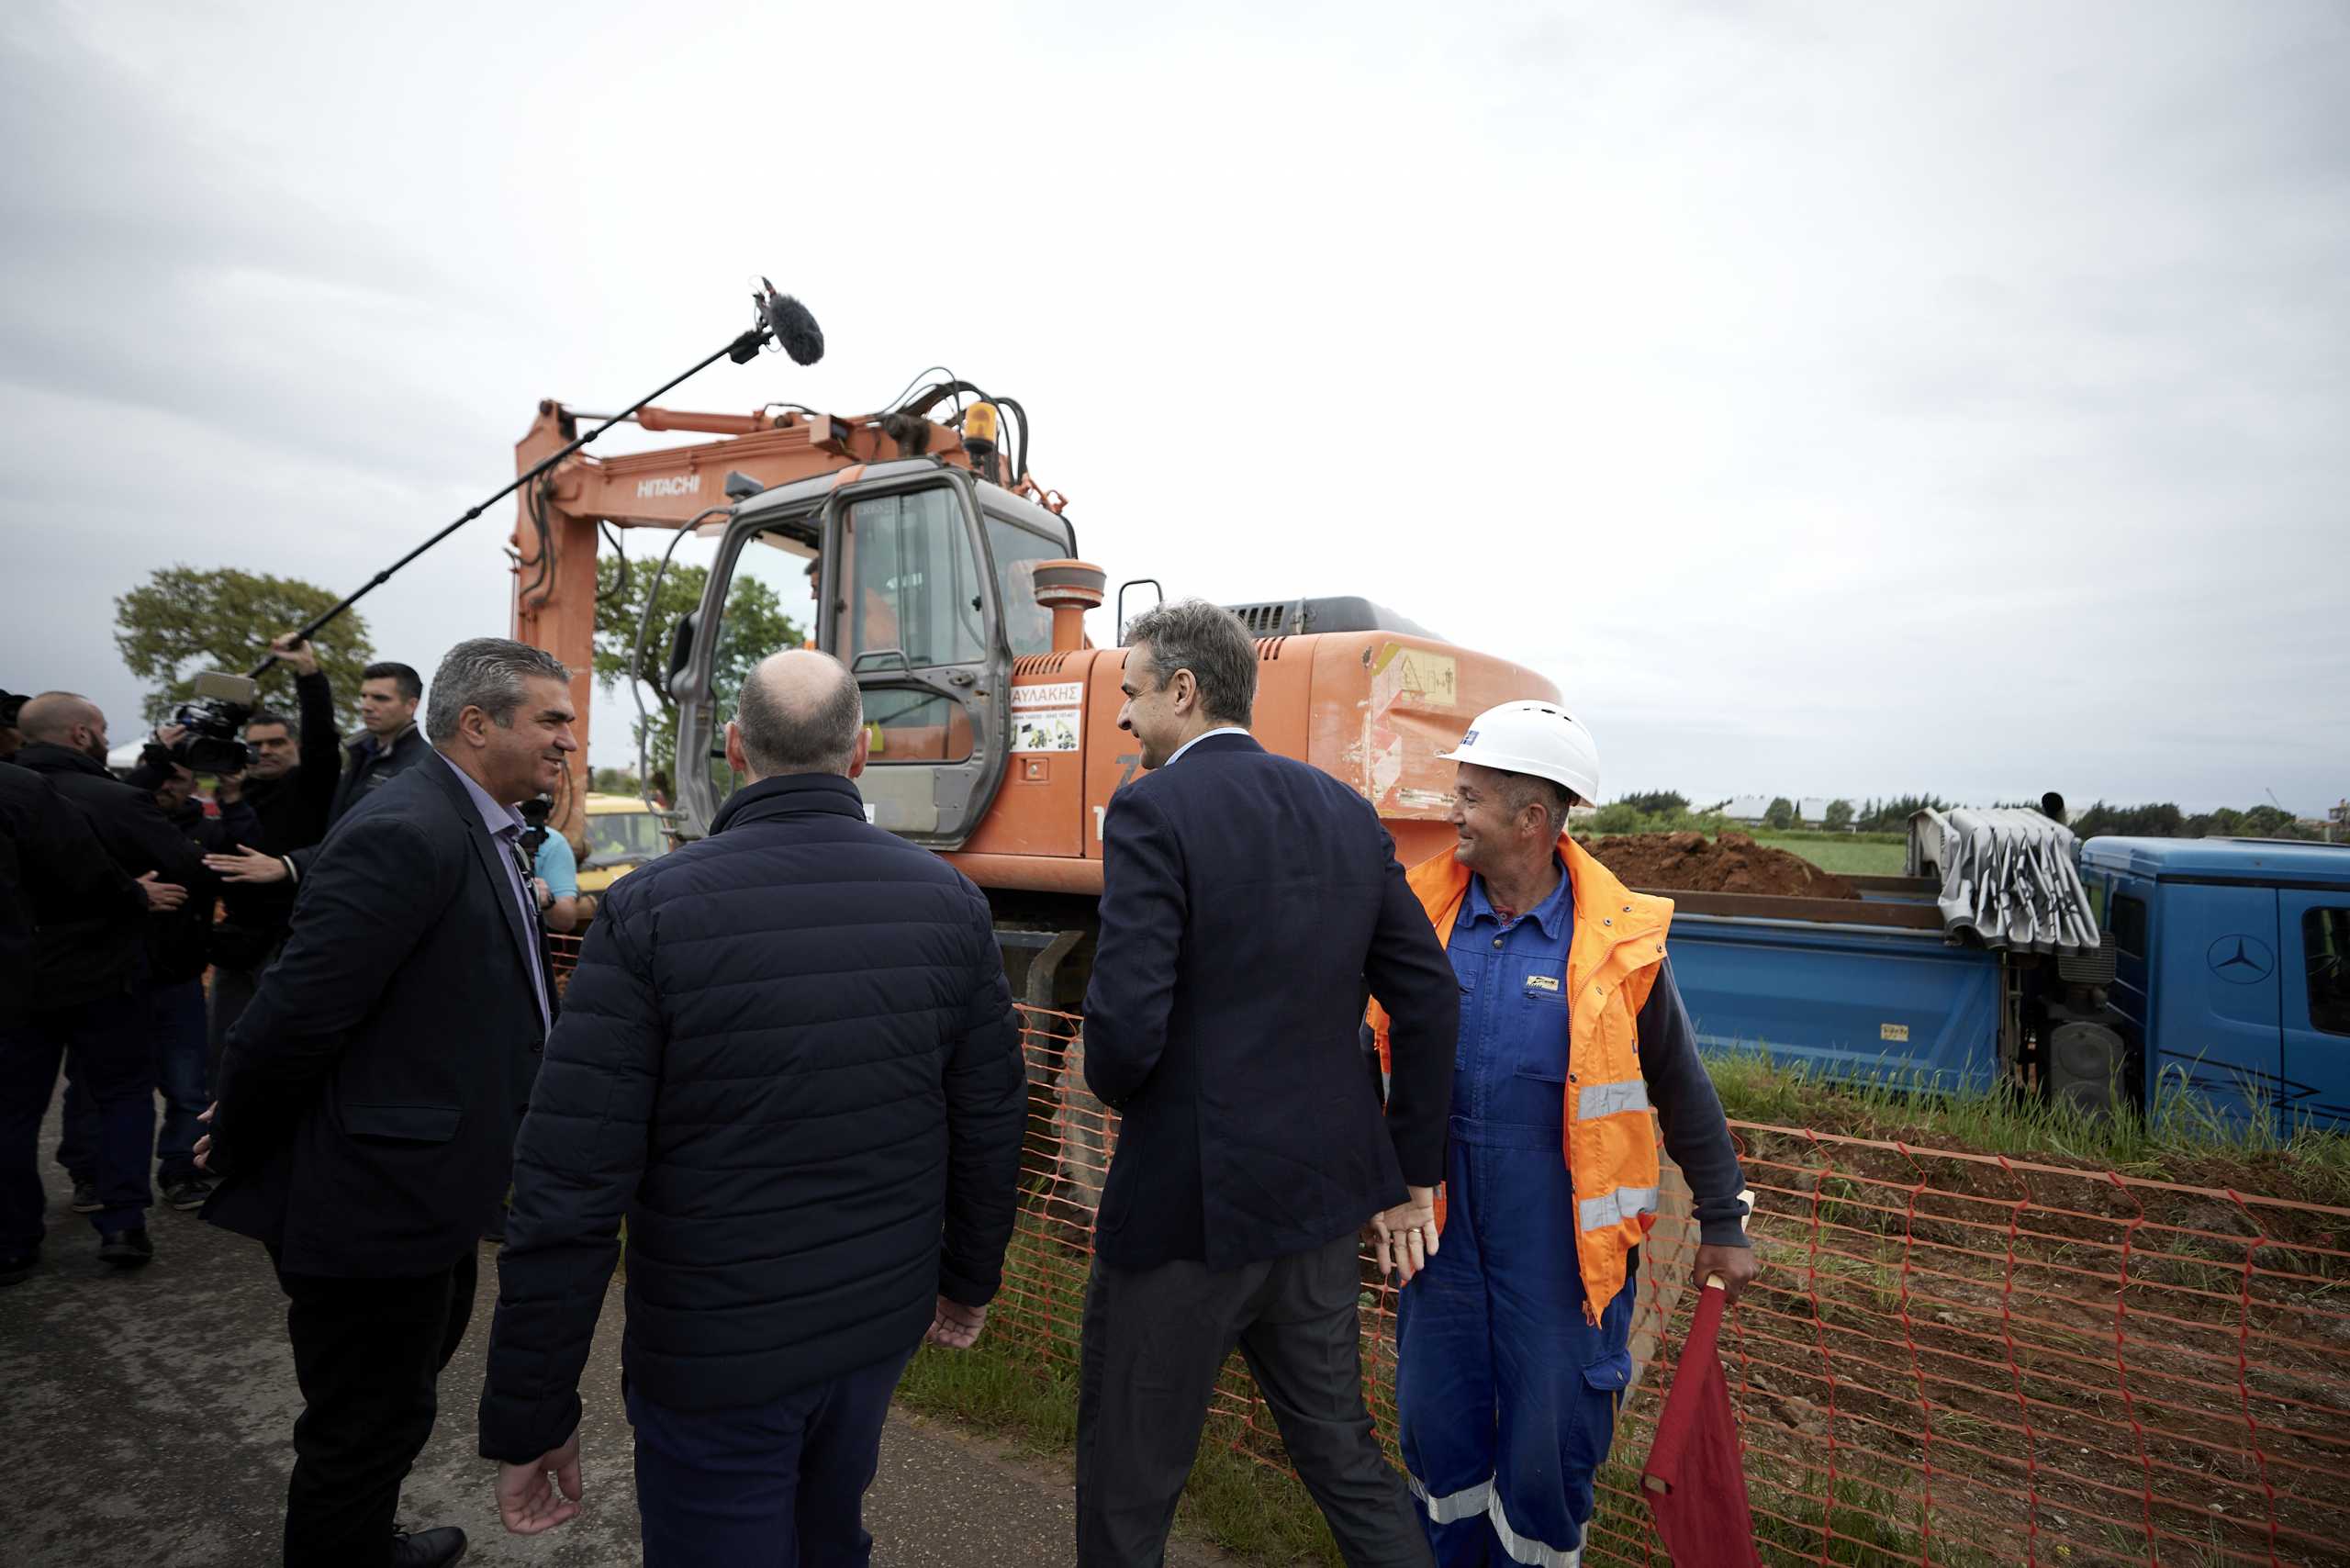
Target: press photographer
column 290, row 785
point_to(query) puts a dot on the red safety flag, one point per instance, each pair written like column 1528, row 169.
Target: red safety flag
column 1693, row 1482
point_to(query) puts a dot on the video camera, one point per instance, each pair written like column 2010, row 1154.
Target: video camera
column 215, row 722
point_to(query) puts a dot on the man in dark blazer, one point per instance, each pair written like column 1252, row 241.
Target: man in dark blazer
column 370, row 1093
column 98, row 1011
column 791, row 1066
column 1248, row 901
column 71, row 919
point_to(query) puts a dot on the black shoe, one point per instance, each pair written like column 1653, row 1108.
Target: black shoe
column 428, row 1548
column 85, row 1198
column 126, row 1249
column 186, row 1192
column 17, row 1267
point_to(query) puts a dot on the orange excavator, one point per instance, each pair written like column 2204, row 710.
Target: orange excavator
column 931, row 563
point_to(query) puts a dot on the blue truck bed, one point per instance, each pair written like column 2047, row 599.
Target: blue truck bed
column 1850, row 1001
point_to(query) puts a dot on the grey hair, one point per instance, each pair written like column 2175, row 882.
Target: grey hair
column 795, row 730
column 1519, row 790
column 1209, row 641
column 487, row 673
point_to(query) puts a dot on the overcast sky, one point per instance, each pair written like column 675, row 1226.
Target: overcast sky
column 1833, row 400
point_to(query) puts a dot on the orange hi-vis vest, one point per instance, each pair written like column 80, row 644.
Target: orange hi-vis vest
column 1612, row 963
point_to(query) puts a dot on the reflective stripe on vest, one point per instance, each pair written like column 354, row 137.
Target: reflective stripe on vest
column 1616, row 1208
column 1611, row 1098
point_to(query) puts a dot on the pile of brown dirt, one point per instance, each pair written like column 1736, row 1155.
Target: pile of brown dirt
column 1691, row 862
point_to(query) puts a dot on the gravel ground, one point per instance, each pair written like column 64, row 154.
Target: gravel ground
column 148, row 1414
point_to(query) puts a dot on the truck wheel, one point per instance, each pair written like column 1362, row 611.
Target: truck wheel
column 2087, row 1064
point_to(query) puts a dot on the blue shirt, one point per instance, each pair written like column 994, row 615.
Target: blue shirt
column 558, row 867
column 505, row 824
column 1510, row 1065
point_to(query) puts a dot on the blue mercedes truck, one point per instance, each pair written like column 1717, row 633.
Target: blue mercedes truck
column 2221, row 966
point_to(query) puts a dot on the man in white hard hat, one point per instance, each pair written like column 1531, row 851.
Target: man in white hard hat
column 1513, row 1340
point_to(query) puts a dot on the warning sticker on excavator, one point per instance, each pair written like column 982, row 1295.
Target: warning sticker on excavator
column 1414, row 677
column 1050, row 717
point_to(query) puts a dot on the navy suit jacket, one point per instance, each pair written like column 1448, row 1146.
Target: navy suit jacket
column 1249, row 902
column 370, row 1093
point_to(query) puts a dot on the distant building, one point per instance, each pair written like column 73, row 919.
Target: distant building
column 1812, row 810
column 1748, row 809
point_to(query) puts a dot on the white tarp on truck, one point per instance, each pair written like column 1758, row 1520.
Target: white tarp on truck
column 2008, row 876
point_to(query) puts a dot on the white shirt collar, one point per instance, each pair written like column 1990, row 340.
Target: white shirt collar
column 1227, row 730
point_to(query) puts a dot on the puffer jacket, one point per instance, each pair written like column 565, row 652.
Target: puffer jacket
column 788, row 1059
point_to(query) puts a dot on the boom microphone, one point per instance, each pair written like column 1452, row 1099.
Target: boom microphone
column 793, row 327
column 781, row 317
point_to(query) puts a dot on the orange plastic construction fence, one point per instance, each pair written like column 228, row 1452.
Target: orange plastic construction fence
column 1949, row 1358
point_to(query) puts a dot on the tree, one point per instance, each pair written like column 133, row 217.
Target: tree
column 1782, row 813
column 1657, row 802
column 184, row 620
column 1893, row 816
column 1839, row 815
column 752, row 626
column 615, row 782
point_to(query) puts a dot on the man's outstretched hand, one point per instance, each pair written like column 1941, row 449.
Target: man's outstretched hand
column 527, row 1496
column 161, row 897
column 244, row 864
column 955, row 1325
column 1403, row 1238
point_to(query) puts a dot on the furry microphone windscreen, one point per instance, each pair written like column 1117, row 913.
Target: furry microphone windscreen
column 793, row 327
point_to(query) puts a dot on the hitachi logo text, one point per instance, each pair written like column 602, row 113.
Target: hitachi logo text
column 675, row 485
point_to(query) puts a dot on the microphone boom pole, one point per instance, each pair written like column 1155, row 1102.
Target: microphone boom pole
column 780, row 316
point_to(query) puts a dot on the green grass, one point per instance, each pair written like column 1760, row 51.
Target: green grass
column 1249, row 1509
column 1846, row 853
column 2182, row 1137
column 1018, row 1385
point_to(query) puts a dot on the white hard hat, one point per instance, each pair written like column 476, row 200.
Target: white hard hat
column 1533, row 737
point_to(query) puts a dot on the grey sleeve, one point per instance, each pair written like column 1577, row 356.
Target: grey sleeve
column 1695, row 1133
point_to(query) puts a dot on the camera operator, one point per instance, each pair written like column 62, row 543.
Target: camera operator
column 388, row 694
column 99, row 1014
column 290, row 786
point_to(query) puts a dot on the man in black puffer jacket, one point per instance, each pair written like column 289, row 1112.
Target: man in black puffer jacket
column 788, row 1059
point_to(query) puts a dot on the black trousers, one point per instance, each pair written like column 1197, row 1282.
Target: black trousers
column 368, row 1354
column 106, row 1041
column 1155, row 1339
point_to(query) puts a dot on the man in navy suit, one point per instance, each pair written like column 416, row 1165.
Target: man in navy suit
column 1248, row 903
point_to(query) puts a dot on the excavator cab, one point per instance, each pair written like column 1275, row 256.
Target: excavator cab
column 919, row 578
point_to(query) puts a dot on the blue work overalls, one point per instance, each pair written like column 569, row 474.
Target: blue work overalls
column 1506, row 1392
